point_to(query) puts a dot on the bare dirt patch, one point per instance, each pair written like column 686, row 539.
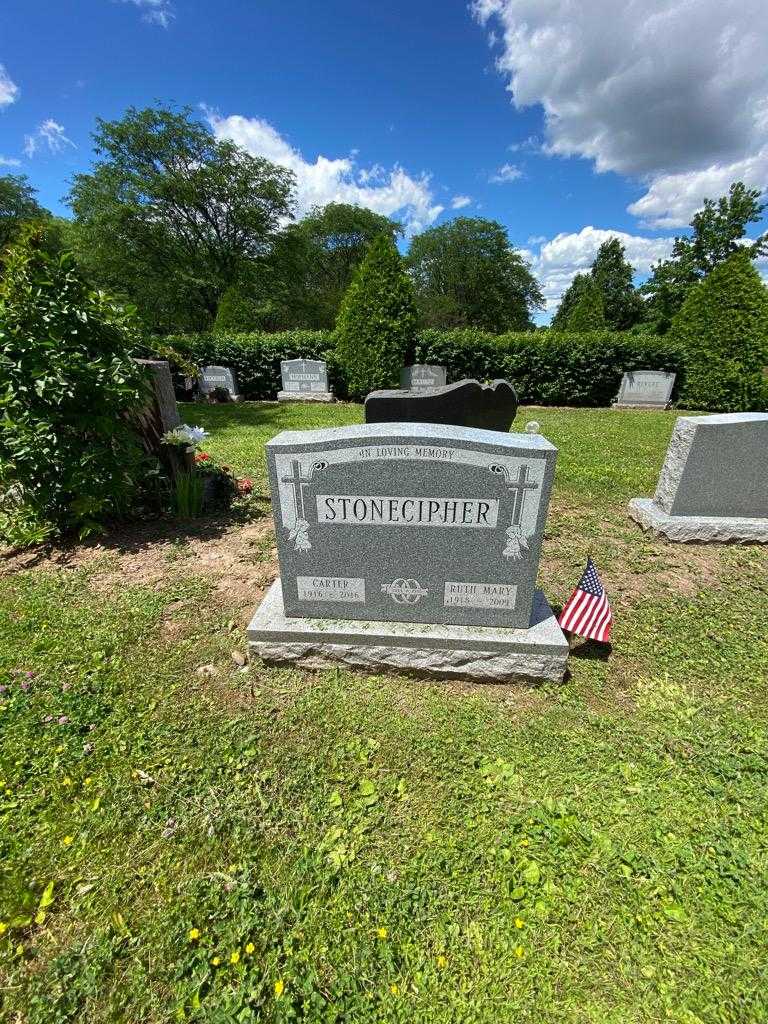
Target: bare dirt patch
column 238, row 557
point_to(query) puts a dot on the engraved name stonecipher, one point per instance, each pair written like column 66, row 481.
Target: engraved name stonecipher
column 410, row 522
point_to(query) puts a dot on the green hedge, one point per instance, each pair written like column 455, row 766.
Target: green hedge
column 255, row 358
column 550, row 367
column 547, row 368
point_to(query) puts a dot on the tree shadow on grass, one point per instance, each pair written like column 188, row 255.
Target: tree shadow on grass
column 140, row 535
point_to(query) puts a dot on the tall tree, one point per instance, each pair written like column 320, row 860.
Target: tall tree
column 570, row 299
column 613, row 275
column 718, row 231
column 467, row 274
column 723, row 328
column 171, row 216
column 18, row 206
column 376, row 328
column 588, row 312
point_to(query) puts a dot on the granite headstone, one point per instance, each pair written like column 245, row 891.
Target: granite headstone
column 304, row 380
column 645, row 389
column 714, row 481
column 467, row 403
column 414, row 546
column 422, row 376
column 215, row 380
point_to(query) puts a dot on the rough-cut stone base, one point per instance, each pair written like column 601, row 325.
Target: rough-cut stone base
column 706, row 529
column 481, row 653
column 306, row 396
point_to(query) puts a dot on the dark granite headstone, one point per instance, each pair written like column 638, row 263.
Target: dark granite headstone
column 467, row 403
column 422, row 377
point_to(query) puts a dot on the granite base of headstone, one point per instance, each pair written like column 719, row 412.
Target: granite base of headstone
column 466, row 403
column 412, row 547
column 304, row 380
column 219, row 384
column 422, row 377
column 645, row 389
column 713, row 486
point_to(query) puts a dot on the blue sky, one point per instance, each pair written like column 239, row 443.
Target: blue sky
column 615, row 122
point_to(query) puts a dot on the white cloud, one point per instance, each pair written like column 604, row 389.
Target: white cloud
column 156, row 12
column 506, row 173
column 459, row 202
column 393, row 192
column 567, row 254
column 9, row 161
column 672, row 91
column 672, row 199
column 9, row 91
column 51, row 134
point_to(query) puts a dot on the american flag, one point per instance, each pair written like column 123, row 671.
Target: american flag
column 587, row 611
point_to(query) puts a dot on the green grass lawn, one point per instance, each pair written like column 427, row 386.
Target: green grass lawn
column 274, row 845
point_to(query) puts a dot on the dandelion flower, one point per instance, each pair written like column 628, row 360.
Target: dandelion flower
column 216, row 961
column 519, row 922
column 68, row 840
column 250, row 948
column 3, row 927
column 441, row 961
column 194, row 934
column 394, row 990
column 382, row 933
column 235, row 958
column 519, row 951
column 279, row 988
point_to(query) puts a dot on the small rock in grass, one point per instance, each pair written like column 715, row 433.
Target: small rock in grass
column 239, row 658
column 207, row 671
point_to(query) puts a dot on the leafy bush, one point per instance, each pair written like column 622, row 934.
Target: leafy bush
column 67, row 454
column 376, row 327
column 550, row 367
column 723, row 329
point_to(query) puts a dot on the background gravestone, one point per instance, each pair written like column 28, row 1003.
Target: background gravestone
column 467, row 403
column 411, row 532
column 219, row 379
column 304, row 380
column 649, row 389
column 714, row 481
column 422, row 376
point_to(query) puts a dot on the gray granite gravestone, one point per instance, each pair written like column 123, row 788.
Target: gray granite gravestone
column 645, row 389
column 467, row 403
column 162, row 409
column 411, row 545
column 422, row 377
column 714, row 482
column 304, row 380
column 219, row 379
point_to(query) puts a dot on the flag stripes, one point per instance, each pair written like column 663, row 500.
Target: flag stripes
column 587, row 611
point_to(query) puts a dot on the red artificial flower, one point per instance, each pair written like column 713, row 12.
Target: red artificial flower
column 244, row 485
column 202, row 457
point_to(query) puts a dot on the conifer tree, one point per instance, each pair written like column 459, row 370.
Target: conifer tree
column 376, row 326
column 723, row 328
column 589, row 313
